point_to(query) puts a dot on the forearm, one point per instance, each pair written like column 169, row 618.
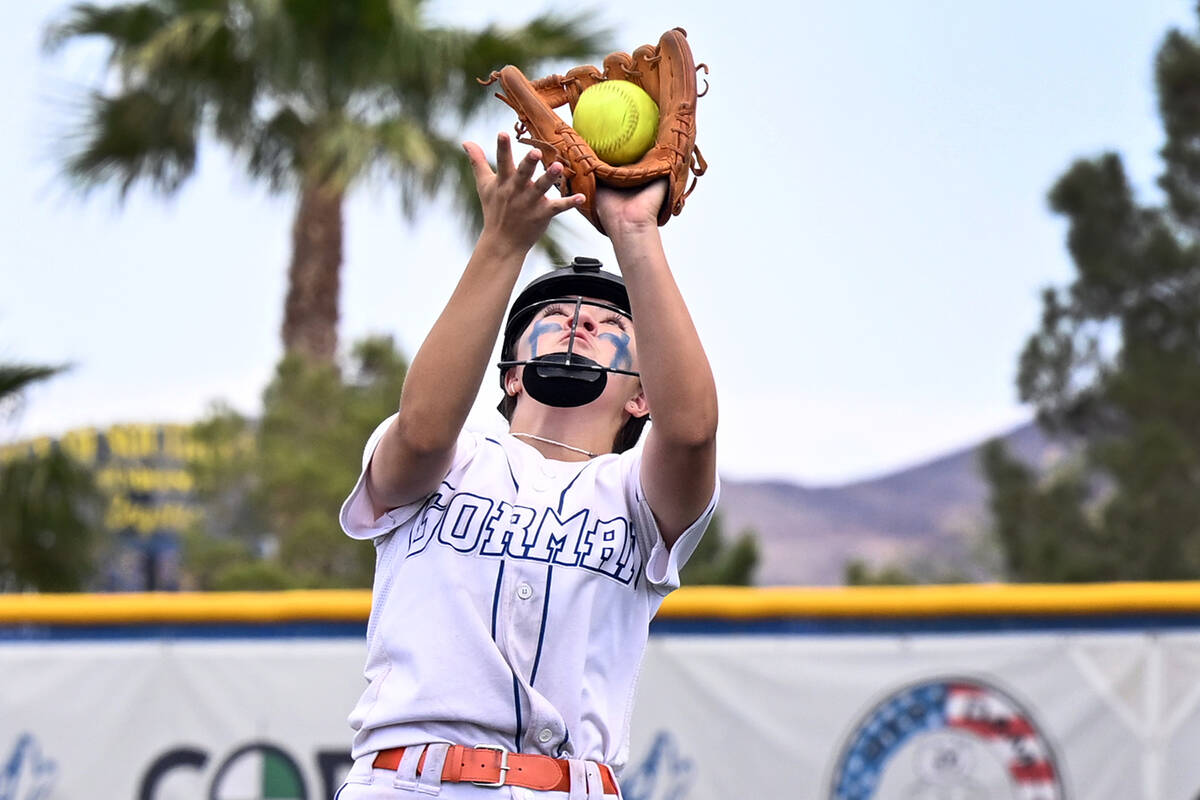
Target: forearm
column 443, row 379
column 676, row 375
column 445, row 375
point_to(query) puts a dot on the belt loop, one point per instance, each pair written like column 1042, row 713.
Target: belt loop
column 361, row 772
column 595, row 784
column 430, row 781
column 578, row 789
column 406, row 772
column 613, row 777
column 452, row 771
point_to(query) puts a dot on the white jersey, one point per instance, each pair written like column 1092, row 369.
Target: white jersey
column 512, row 606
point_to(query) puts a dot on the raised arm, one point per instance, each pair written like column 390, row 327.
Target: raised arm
column 444, row 377
column 679, row 459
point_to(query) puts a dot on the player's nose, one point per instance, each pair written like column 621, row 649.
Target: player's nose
column 587, row 319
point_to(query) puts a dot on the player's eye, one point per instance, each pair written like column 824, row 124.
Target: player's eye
column 554, row 311
column 615, row 319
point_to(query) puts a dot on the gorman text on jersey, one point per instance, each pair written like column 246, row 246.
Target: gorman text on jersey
column 478, row 525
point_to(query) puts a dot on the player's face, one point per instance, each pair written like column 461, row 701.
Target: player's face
column 603, row 335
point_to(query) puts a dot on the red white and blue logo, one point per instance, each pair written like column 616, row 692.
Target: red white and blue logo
column 949, row 737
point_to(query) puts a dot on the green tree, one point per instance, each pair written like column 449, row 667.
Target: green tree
column 312, row 97
column 858, row 572
column 50, row 508
column 272, row 490
column 225, row 551
column 720, row 562
column 1116, row 367
column 313, row 428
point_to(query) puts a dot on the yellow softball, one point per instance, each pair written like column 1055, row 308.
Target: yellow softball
column 617, row 119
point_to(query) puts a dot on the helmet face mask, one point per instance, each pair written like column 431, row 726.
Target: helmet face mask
column 563, row 380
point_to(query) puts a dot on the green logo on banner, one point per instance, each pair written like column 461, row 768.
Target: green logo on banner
column 259, row 772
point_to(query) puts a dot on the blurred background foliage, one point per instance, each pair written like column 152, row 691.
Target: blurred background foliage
column 50, row 507
column 721, row 561
column 1114, row 370
column 273, row 498
column 315, row 98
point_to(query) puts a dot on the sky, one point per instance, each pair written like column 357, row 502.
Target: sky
column 864, row 259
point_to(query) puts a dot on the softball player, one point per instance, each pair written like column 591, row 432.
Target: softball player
column 517, row 574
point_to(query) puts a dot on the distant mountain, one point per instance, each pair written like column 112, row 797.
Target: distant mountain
column 933, row 514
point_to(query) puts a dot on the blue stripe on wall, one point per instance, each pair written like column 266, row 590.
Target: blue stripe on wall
column 224, row 630
column 857, row 626
column 789, row 626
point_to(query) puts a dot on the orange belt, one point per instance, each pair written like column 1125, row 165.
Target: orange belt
column 494, row 766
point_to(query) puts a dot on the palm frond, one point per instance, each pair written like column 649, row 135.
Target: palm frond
column 272, row 149
column 200, row 57
column 338, row 150
column 175, row 44
column 124, row 26
column 416, row 160
column 544, row 40
column 553, row 243
column 429, row 68
column 15, row 377
column 456, row 179
column 133, row 137
column 177, row 67
column 554, row 37
column 343, row 150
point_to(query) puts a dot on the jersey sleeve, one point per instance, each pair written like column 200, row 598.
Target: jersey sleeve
column 662, row 563
column 357, row 516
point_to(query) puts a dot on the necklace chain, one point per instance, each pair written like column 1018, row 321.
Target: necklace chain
column 587, row 453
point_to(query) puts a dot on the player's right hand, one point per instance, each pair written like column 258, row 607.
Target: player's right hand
column 515, row 207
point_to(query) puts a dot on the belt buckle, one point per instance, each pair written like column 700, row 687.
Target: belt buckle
column 503, row 765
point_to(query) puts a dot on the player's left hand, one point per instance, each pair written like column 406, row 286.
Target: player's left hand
column 516, row 207
column 630, row 209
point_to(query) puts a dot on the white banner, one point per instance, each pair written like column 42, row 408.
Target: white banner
column 176, row 719
column 1029, row 716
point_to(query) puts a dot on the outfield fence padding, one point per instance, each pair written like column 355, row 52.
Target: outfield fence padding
column 881, row 693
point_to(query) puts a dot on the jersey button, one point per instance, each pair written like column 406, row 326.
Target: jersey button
column 545, row 736
column 524, row 591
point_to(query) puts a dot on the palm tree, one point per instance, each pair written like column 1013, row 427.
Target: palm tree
column 312, row 96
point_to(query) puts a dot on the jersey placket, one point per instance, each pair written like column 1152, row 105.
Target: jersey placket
column 526, row 595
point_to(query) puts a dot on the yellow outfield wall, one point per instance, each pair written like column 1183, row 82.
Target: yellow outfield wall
column 721, row 602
